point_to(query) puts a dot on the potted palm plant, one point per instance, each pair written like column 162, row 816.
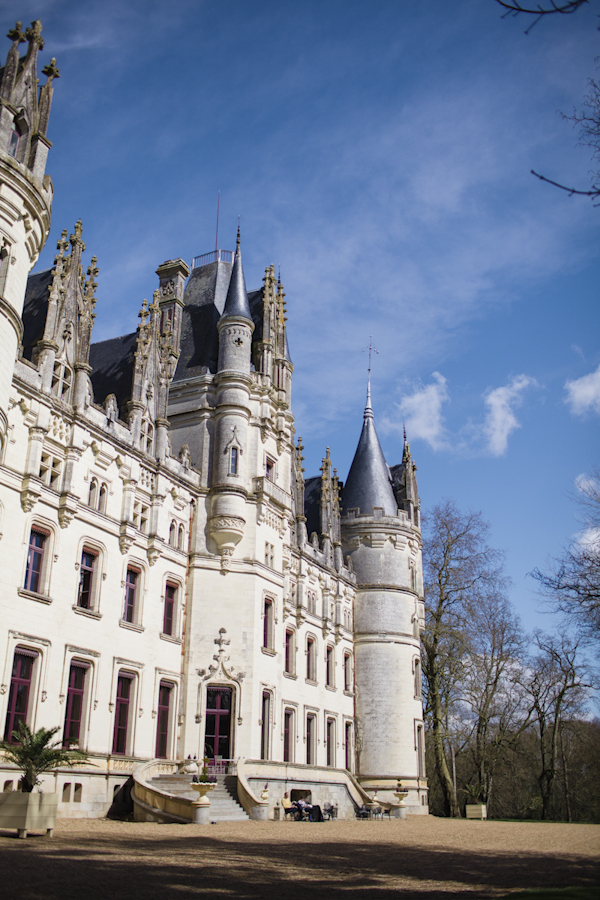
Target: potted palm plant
column 34, row 753
column 475, row 807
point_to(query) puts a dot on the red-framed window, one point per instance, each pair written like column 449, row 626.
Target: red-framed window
column 310, row 738
column 75, row 700
column 169, row 612
column 288, row 734
column 35, row 560
column 123, row 700
column 164, row 713
column 131, row 585
column 85, row 596
column 20, row 688
column 330, row 741
column 329, row 666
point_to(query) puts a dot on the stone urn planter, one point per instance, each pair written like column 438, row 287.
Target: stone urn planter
column 201, row 806
column 28, row 812
column 476, row 811
column 401, row 794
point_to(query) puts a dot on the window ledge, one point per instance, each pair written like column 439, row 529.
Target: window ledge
column 131, row 626
column 91, row 613
column 169, row 637
column 268, row 652
column 331, row 687
column 31, row 595
column 290, row 675
column 348, row 693
column 311, row 681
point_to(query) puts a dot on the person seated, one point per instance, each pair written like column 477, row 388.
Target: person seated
column 289, row 808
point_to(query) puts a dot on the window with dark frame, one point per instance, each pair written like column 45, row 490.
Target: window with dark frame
column 162, row 723
column 310, row 659
column 75, row 701
column 15, row 137
column 265, row 729
column 270, row 469
column 348, row 742
column 330, row 741
column 310, row 737
column 329, row 666
column 347, row 672
column 289, row 652
column 123, row 700
column 288, row 726
column 233, row 461
column 268, row 624
column 85, row 595
column 20, row 687
column 35, row 561
column 169, row 614
column 131, row 583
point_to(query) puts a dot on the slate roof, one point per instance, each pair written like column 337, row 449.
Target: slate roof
column 112, row 370
column 312, row 504
column 369, row 482
column 35, row 308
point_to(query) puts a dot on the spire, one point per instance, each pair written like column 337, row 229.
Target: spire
column 236, row 303
column 368, row 484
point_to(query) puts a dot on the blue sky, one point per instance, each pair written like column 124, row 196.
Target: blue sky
column 380, row 153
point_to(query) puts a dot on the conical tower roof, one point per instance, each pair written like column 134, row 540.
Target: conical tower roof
column 236, row 303
column 368, row 484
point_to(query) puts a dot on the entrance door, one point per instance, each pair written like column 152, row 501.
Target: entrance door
column 217, row 736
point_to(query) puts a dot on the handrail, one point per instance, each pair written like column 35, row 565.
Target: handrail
column 255, row 808
column 212, row 257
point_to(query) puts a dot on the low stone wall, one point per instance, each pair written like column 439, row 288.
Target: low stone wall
column 327, row 785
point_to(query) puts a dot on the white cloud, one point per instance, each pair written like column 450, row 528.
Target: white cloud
column 421, row 412
column 500, row 420
column 584, row 394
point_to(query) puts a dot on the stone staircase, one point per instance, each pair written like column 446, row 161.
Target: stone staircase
column 224, row 803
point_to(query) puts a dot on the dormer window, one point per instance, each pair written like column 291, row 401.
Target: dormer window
column 62, row 379
column 13, row 144
column 147, row 436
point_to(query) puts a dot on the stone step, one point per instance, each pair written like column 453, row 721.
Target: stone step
column 224, row 802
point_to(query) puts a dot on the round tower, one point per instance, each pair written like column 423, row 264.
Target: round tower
column 383, row 543
column 25, row 191
column 232, row 413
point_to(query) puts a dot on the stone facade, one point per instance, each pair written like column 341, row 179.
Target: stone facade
column 171, row 585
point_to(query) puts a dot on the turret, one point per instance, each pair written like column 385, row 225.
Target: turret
column 25, row 192
column 172, row 275
column 385, row 550
column 230, row 475
column 63, row 352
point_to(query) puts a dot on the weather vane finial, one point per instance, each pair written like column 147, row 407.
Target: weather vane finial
column 371, row 349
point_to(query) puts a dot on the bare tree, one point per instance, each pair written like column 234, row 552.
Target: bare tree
column 572, row 583
column 491, row 693
column 556, row 690
column 462, row 573
column 538, row 10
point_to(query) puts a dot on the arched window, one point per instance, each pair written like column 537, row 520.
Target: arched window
column 93, row 498
column 181, row 538
column 103, row 496
column 347, row 672
column 173, row 534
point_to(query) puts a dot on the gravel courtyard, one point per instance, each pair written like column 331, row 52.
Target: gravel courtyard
column 108, row 860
